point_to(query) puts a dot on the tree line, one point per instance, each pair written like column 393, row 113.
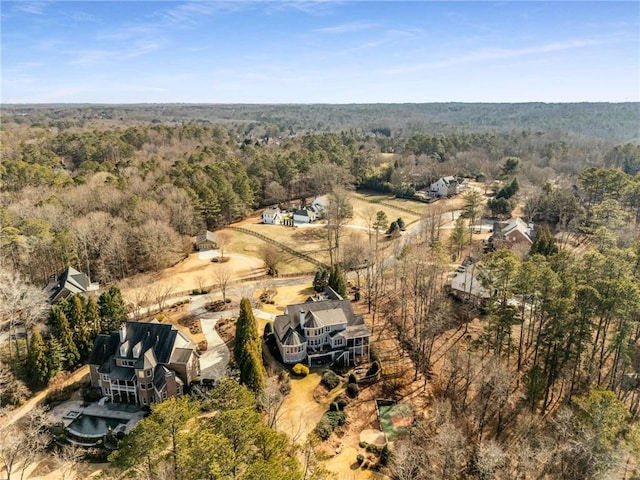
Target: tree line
column 67, row 340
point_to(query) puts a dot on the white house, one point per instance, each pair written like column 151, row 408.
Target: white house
column 304, row 215
column 322, row 330
column 272, row 216
column 320, row 204
column 444, row 187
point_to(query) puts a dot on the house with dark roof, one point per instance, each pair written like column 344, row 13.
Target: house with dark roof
column 143, row 363
column 304, row 215
column 67, row 283
column 322, row 330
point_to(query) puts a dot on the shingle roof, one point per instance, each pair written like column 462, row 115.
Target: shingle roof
column 207, row 236
column 158, row 336
column 469, row 283
column 159, row 377
column 103, row 348
column 317, row 314
column 181, row 355
column 68, row 282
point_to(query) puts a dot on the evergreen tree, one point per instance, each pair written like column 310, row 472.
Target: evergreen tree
column 401, row 224
column 112, row 310
column 92, row 316
column 38, row 362
column 56, row 356
column 65, row 337
column 337, row 281
column 394, row 229
column 82, row 334
column 247, row 349
column 545, row 243
column 320, row 280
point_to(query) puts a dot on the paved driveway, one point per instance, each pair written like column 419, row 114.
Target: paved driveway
column 213, row 362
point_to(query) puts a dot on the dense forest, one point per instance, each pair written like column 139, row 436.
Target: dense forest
column 618, row 122
column 116, row 200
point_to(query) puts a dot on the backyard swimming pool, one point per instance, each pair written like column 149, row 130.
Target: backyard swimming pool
column 89, row 429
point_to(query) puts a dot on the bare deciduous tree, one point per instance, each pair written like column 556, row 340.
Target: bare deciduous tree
column 223, row 275
column 272, row 257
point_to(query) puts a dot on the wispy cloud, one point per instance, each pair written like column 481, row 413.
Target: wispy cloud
column 488, row 54
column 33, row 8
column 95, row 56
column 347, row 28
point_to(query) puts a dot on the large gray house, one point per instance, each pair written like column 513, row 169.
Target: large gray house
column 322, row 330
column 143, row 363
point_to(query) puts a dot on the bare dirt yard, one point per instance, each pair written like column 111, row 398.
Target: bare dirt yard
column 190, row 274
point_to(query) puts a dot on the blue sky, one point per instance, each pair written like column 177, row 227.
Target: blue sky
column 319, row 52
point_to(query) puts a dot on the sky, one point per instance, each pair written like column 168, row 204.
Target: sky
column 319, row 52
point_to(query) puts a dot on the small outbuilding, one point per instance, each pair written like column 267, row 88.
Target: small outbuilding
column 206, row 241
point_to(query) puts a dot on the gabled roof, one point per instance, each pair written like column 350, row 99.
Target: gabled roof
column 468, row 282
column 181, row 355
column 303, row 212
column 103, row 348
column 207, row 236
column 68, row 282
column 157, row 336
column 513, row 225
column 271, row 211
column 160, row 377
column 317, row 313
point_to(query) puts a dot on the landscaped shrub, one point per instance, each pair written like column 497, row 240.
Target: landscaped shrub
column 353, row 390
column 363, row 444
column 336, row 418
column 373, row 369
column 371, row 448
column 333, row 407
column 342, row 403
column 91, row 394
column 360, row 459
column 300, row 370
column 352, row 378
column 330, row 379
column 324, row 429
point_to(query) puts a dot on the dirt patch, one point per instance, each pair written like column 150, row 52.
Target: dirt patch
column 374, row 437
column 250, row 248
column 300, row 412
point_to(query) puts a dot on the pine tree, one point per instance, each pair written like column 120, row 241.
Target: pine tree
column 82, row 334
column 112, row 310
column 545, row 243
column 92, row 316
column 38, row 362
column 337, row 281
column 247, row 349
column 65, row 337
column 321, row 280
column 56, row 356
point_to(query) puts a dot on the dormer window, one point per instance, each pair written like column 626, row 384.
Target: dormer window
column 124, row 348
column 137, row 349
